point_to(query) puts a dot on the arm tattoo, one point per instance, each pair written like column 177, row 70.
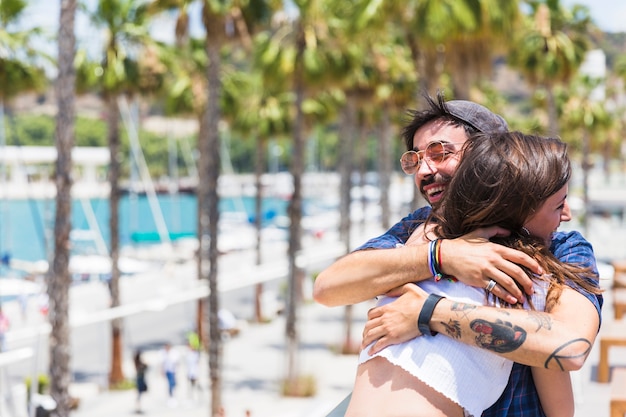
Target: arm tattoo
column 542, row 320
column 463, row 309
column 583, row 344
column 498, row 336
column 456, row 306
column 453, row 328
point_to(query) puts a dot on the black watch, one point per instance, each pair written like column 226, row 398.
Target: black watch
column 427, row 312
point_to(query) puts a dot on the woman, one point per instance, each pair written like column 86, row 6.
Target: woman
column 511, row 180
column 140, row 378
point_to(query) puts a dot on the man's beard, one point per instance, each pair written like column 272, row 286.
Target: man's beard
column 437, row 178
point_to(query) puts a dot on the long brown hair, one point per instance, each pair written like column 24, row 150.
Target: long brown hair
column 501, row 180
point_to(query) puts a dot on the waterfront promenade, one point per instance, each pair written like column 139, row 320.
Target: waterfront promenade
column 255, row 361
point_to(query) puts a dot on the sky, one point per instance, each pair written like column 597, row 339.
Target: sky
column 609, row 15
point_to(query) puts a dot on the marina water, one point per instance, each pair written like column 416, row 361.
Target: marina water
column 27, row 225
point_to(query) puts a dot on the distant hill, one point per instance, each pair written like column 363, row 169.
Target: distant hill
column 613, row 44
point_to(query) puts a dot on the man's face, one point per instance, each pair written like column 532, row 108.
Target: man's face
column 431, row 177
column 549, row 216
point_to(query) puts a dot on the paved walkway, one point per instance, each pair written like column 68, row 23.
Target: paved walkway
column 254, row 364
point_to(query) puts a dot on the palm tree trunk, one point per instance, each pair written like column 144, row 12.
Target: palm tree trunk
column 361, row 154
column 295, row 217
column 204, row 237
column 116, row 375
column 214, row 25
column 427, row 83
column 384, row 164
column 586, row 165
column 59, row 279
column 553, row 117
column 258, row 210
column 346, row 148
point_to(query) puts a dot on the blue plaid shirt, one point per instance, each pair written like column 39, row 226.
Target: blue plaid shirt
column 520, row 397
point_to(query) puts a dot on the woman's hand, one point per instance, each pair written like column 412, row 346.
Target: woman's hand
column 395, row 322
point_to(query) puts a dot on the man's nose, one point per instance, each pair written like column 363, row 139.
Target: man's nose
column 425, row 168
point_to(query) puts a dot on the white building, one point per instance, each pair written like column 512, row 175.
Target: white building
column 28, row 171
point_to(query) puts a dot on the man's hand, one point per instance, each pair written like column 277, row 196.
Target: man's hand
column 395, row 322
column 475, row 261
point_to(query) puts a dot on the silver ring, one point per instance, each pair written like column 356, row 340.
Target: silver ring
column 490, row 285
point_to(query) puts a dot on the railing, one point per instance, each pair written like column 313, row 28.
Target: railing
column 341, row 408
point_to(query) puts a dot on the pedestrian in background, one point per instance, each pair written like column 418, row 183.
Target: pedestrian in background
column 140, row 378
column 4, row 328
column 169, row 363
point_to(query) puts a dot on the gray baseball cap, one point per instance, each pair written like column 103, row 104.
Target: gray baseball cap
column 477, row 116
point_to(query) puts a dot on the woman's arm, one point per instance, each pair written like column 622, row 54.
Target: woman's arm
column 559, row 340
column 555, row 392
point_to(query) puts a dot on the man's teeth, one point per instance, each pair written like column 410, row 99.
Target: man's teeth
column 435, row 190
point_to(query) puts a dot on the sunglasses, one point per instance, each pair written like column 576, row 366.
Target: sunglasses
column 436, row 152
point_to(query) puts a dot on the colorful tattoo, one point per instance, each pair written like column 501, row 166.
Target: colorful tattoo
column 453, row 329
column 500, row 337
column 463, row 307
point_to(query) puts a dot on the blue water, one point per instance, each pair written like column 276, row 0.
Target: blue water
column 26, row 226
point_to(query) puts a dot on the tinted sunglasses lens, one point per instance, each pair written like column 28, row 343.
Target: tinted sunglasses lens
column 409, row 161
column 436, row 152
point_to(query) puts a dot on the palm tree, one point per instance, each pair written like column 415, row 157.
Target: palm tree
column 619, row 70
column 20, row 62
column 208, row 196
column 187, row 94
column 374, row 72
column 205, row 100
column 254, row 109
column 296, row 55
column 434, row 30
column 59, row 277
column 588, row 115
column 125, row 22
column 550, row 49
column 425, row 26
column 470, row 51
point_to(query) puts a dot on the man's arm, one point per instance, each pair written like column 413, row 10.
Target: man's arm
column 559, row 340
column 380, row 264
column 365, row 274
column 555, row 392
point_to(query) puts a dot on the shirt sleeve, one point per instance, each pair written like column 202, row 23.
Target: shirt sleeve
column 399, row 233
column 573, row 248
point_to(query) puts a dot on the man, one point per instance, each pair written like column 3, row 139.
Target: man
column 560, row 340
